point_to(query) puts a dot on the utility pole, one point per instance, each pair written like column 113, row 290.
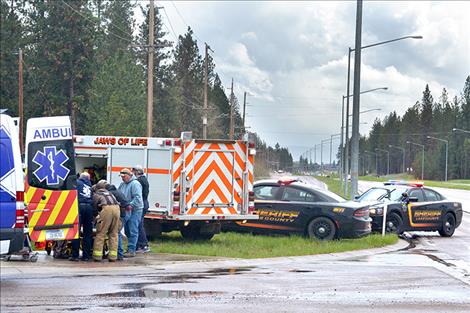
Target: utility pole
column 231, row 113
column 20, row 98
column 356, row 105
column 150, row 71
column 204, row 119
column 244, row 110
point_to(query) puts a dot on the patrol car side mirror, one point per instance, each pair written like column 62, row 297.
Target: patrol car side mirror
column 357, row 197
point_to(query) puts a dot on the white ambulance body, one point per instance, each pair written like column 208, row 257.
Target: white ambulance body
column 194, row 184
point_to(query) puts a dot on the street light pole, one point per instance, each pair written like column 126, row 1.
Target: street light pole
column 403, row 151
column 447, row 150
column 388, row 159
column 357, row 70
column 422, row 158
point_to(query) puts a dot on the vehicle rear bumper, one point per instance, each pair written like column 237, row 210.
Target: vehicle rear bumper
column 11, row 240
column 357, row 228
column 377, row 222
column 219, row 218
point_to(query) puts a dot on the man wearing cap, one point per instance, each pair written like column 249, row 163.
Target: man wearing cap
column 142, row 242
column 132, row 189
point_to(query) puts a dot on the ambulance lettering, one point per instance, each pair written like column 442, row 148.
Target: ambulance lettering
column 53, row 133
column 51, row 166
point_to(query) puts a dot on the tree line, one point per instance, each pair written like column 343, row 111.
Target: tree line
column 418, row 128
column 89, row 59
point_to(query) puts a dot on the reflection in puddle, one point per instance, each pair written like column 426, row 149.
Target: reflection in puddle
column 158, row 294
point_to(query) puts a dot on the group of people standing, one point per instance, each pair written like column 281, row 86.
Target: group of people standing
column 114, row 209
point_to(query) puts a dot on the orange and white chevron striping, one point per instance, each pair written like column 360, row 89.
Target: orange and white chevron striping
column 51, row 208
column 215, row 174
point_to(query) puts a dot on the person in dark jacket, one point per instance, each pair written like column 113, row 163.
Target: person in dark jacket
column 85, row 212
column 142, row 242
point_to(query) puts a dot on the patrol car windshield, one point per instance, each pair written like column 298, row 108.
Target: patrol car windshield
column 393, row 193
column 51, row 165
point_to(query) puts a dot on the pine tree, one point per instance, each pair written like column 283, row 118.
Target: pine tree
column 187, row 88
column 11, row 40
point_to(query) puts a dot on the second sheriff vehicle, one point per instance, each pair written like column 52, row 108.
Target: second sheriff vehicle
column 412, row 207
column 290, row 206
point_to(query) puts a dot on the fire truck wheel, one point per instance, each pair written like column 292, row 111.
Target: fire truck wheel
column 193, row 232
column 153, row 229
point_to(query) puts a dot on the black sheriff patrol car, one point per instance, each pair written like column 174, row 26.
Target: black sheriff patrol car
column 411, row 207
column 289, row 206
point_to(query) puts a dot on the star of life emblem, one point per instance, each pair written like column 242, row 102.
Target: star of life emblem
column 51, row 165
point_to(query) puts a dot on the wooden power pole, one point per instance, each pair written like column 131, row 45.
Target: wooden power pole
column 232, row 126
column 20, row 98
column 204, row 118
column 150, row 71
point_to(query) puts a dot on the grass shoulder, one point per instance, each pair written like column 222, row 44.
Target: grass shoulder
column 248, row 246
column 463, row 184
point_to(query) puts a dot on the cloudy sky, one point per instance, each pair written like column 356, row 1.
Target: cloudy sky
column 292, row 58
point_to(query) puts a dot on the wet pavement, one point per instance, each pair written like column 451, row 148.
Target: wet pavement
column 426, row 273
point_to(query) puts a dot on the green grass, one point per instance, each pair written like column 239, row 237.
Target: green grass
column 247, row 246
column 463, row 184
column 333, row 184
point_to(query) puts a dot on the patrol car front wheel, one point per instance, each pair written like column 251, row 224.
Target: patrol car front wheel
column 448, row 226
column 394, row 223
column 321, row 228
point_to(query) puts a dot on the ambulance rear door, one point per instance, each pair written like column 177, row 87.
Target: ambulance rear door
column 50, row 193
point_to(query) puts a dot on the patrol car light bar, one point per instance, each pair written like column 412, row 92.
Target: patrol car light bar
column 404, row 183
column 287, row 180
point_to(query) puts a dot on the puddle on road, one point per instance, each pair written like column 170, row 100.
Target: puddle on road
column 300, row 271
column 158, row 294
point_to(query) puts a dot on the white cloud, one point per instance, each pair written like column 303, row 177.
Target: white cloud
column 298, row 50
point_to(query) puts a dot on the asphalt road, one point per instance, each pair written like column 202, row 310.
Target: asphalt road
column 431, row 274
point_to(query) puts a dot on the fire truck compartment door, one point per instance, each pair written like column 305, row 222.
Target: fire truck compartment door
column 119, row 158
column 159, row 163
column 212, row 180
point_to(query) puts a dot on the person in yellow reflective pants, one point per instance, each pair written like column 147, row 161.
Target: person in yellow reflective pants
column 108, row 222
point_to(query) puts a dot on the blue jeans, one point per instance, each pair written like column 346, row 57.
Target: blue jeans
column 142, row 241
column 131, row 228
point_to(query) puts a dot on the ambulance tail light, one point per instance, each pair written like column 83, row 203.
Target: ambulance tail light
column 167, row 142
column 19, row 209
column 177, row 142
column 176, row 202
column 251, row 202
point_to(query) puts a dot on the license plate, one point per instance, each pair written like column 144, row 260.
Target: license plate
column 56, row 234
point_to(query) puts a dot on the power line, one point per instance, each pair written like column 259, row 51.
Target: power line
column 89, row 19
column 184, row 21
column 169, row 22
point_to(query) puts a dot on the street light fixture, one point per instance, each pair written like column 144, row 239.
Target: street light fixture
column 403, row 151
column 388, row 159
column 461, row 130
column 355, row 136
column 447, row 150
column 422, row 158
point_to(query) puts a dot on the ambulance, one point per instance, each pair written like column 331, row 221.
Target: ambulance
column 195, row 185
column 50, row 184
column 11, row 187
